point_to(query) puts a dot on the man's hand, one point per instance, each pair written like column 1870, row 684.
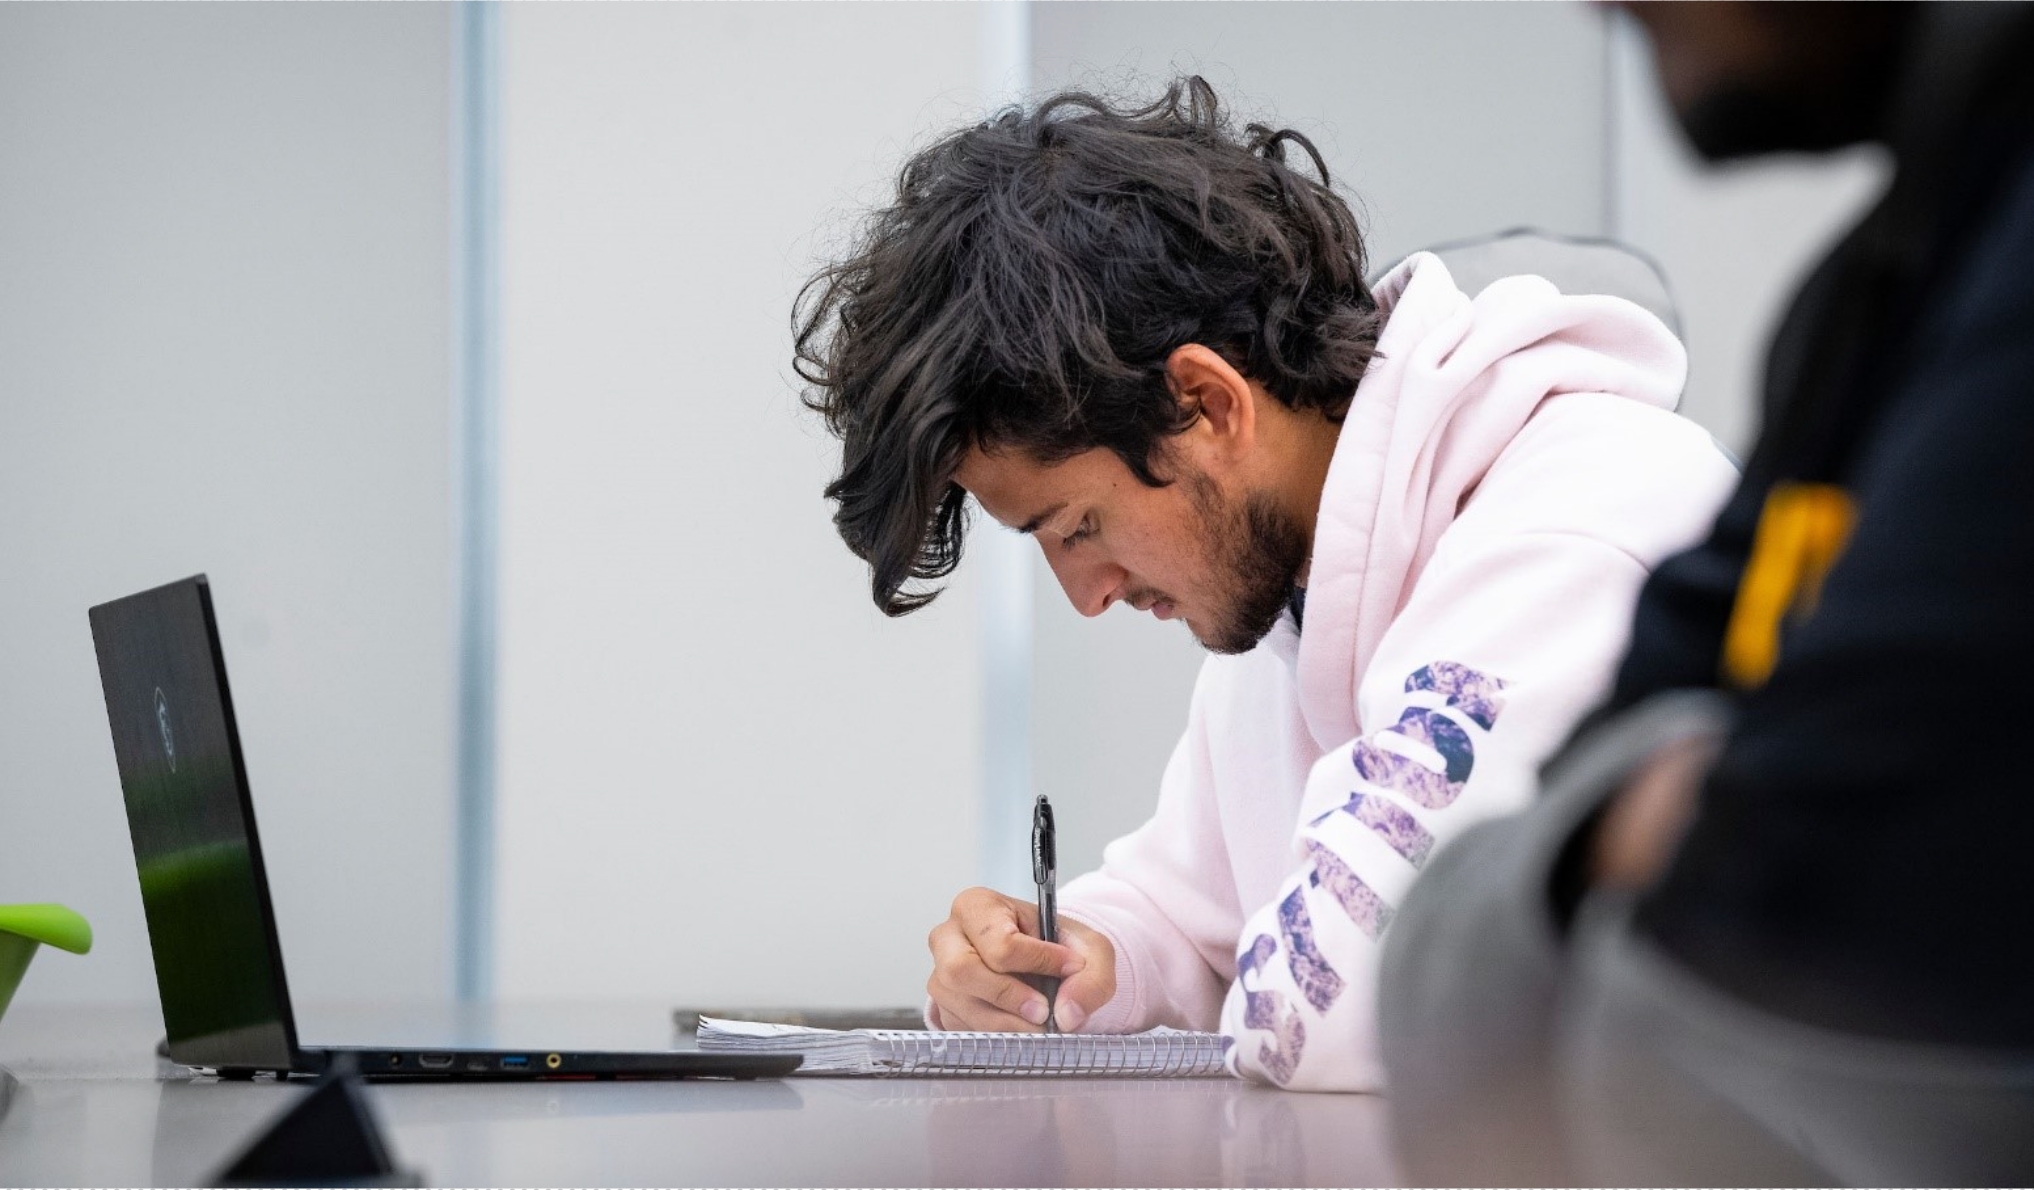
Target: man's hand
column 1642, row 826
column 985, row 947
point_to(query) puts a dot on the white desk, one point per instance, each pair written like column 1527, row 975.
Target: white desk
column 95, row 1106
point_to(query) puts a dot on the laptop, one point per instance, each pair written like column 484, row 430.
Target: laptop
column 211, row 925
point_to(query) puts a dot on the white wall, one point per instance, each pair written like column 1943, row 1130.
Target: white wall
column 224, row 324
column 724, row 775
column 223, row 347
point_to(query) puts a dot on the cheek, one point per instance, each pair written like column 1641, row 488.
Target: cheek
column 1163, row 541
column 1181, row 565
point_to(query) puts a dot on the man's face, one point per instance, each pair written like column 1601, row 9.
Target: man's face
column 1746, row 76
column 1225, row 564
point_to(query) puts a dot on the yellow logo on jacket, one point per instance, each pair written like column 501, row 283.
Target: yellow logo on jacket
column 1802, row 531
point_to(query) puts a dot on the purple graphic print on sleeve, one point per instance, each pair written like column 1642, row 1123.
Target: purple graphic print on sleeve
column 1447, row 734
column 1402, row 774
column 1317, row 980
column 1265, row 1010
column 1406, row 836
column 1357, row 899
column 1391, row 822
column 1471, row 691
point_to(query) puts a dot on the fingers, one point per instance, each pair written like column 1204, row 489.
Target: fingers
column 1003, row 932
column 970, row 995
column 1083, row 993
column 1642, row 826
column 978, row 955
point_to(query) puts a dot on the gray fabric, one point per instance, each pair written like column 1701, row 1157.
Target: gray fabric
column 1666, row 1080
column 1520, row 1054
column 1626, row 1115
column 1472, row 968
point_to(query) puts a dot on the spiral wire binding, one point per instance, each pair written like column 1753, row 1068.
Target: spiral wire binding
column 1092, row 1055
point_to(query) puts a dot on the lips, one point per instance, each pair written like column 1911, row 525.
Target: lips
column 1160, row 607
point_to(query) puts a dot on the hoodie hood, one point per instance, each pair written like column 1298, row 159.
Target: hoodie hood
column 1453, row 382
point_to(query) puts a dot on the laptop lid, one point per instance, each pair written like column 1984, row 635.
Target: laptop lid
column 211, row 925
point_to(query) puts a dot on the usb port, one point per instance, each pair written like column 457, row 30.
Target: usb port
column 434, row 1061
column 515, row 1061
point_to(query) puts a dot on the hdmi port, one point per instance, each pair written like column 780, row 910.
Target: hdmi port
column 434, row 1061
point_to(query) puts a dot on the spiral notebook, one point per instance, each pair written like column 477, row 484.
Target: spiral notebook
column 1161, row 1053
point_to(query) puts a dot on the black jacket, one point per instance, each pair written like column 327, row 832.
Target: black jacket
column 1864, row 852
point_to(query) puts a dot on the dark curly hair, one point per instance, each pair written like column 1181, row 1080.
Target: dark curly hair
column 1027, row 286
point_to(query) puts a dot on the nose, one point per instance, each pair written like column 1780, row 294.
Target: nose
column 1091, row 584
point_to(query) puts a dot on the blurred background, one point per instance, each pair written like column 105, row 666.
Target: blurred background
column 452, row 341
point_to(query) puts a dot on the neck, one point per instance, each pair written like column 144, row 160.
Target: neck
column 1304, row 477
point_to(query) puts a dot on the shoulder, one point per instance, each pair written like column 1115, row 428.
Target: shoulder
column 1642, row 480
column 1986, row 304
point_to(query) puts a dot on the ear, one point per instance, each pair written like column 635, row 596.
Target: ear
column 1206, row 384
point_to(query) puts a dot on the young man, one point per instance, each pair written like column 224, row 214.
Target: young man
column 1764, row 928
column 1409, row 522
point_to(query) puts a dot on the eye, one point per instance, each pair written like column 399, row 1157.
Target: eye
column 1082, row 532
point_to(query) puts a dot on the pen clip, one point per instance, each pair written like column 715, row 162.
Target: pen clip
column 1044, row 848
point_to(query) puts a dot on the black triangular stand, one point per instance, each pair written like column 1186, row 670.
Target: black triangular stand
column 328, row 1139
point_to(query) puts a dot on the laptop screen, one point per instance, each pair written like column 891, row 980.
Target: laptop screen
column 210, row 924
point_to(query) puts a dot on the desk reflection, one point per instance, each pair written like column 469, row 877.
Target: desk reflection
column 1194, row 1132
column 95, row 1108
column 203, row 1123
column 849, row 1132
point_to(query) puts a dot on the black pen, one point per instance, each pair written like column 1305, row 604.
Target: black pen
column 1045, row 873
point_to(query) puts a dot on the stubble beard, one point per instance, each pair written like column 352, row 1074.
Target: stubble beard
column 1257, row 552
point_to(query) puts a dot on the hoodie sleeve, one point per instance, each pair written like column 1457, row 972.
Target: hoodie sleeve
column 1164, row 896
column 1511, row 633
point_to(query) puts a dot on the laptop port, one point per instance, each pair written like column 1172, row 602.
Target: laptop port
column 553, row 1061
column 515, row 1061
column 434, row 1061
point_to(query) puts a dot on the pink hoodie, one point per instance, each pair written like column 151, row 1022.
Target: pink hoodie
column 1508, row 473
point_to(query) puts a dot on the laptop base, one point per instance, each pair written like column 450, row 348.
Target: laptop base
column 461, row 1065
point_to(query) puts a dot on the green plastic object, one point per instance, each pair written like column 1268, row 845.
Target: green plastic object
column 25, row 927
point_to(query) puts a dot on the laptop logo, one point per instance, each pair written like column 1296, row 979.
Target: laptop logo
column 169, row 739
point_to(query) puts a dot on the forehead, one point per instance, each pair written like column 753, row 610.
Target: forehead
column 1017, row 489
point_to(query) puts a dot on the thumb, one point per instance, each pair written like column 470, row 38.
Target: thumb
column 1082, row 994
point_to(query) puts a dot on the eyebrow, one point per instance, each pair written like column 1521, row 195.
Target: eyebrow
column 1038, row 522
